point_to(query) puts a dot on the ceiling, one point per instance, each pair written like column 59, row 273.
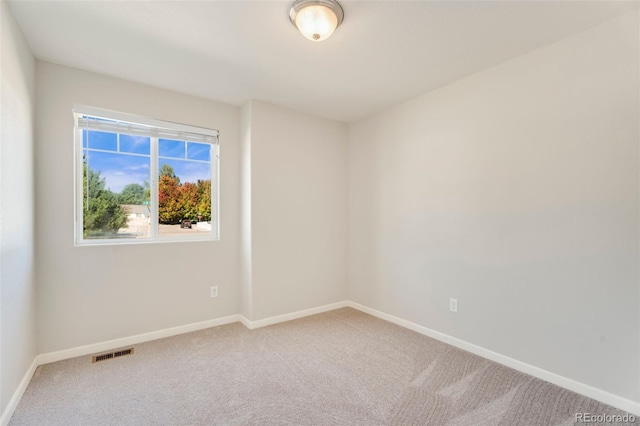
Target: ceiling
column 385, row 52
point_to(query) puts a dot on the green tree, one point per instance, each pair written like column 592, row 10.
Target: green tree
column 102, row 213
column 132, row 194
column 167, row 170
column 147, row 191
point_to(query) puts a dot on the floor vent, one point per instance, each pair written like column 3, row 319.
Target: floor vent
column 111, row 355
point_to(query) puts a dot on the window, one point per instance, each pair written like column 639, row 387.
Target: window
column 140, row 180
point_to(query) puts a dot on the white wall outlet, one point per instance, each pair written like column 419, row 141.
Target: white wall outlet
column 214, row 291
column 453, row 305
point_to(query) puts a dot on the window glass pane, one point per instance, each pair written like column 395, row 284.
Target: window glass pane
column 115, row 195
column 198, row 151
column 135, row 144
column 184, row 197
column 171, row 148
column 101, row 140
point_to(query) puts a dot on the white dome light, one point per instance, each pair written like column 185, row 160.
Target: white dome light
column 316, row 19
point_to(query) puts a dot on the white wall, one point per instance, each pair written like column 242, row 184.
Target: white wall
column 284, row 251
column 17, row 283
column 98, row 293
column 515, row 191
column 298, row 207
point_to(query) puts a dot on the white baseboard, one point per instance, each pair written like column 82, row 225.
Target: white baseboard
column 245, row 322
column 581, row 388
column 564, row 382
column 132, row 340
column 93, row 348
column 17, row 395
column 49, row 357
column 294, row 315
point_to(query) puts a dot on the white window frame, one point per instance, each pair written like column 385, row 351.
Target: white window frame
column 214, row 235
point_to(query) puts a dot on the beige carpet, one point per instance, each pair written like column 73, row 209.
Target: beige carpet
column 338, row 368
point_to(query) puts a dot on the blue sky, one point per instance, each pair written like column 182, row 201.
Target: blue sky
column 120, row 169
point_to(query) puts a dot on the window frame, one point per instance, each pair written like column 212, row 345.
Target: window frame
column 154, row 238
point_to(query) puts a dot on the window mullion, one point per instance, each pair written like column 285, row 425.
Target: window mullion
column 215, row 188
column 79, row 213
column 154, row 189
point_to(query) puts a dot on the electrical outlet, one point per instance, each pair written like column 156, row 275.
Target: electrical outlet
column 453, row 305
column 214, row 291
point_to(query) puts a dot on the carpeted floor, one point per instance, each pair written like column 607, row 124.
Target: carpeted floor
column 342, row 367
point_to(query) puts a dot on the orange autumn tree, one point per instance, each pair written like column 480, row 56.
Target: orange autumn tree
column 188, row 200
column 204, row 199
column 178, row 201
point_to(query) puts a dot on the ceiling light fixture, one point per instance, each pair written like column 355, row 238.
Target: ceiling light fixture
column 316, row 19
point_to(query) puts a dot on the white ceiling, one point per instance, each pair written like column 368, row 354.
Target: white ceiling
column 230, row 51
